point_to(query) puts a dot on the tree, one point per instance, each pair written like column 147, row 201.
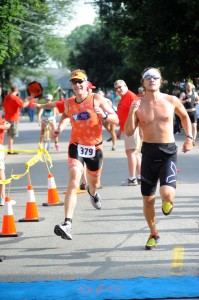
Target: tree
column 26, row 25
column 97, row 56
column 52, row 85
column 8, row 32
column 143, row 33
column 59, row 49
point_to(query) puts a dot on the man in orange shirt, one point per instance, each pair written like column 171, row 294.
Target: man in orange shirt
column 11, row 106
column 132, row 143
column 86, row 112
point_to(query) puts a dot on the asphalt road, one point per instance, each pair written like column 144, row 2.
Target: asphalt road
column 108, row 243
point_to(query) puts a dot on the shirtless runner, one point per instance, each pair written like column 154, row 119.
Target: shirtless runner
column 154, row 113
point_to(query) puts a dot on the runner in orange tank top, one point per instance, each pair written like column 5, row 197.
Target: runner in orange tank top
column 86, row 112
column 84, row 120
column 60, row 106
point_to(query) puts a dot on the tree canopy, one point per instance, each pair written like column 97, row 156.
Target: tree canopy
column 127, row 37
column 143, row 33
column 25, row 28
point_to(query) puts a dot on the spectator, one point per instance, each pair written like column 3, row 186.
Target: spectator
column 190, row 98
column 197, row 115
column 111, row 128
column 132, row 143
column 141, row 92
column 11, row 106
column 177, row 122
column 45, row 114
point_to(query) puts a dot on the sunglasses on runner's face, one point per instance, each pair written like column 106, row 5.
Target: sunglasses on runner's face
column 77, row 81
column 148, row 77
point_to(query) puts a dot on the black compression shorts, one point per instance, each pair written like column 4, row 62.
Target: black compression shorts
column 158, row 163
column 93, row 163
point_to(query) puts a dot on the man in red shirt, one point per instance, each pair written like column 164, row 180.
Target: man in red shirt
column 11, row 106
column 132, row 143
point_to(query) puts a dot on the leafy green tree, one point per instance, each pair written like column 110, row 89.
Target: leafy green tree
column 8, row 31
column 159, row 33
column 101, row 59
column 52, row 85
column 59, row 48
column 56, row 49
column 25, row 28
column 90, row 53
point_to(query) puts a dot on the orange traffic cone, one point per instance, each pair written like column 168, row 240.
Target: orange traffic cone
column 79, row 191
column 53, row 197
column 31, row 207
column 8, row 225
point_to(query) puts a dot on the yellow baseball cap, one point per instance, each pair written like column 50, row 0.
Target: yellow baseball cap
column 78, row 75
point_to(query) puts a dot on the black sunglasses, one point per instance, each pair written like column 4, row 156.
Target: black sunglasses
column 77, row 81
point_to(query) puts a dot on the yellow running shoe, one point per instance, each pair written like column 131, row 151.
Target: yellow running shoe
column 167, row 207
column 152, row 242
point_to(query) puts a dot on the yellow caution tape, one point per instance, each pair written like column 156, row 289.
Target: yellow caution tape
column 33, row 161
column 5, row 181
column 42, row 155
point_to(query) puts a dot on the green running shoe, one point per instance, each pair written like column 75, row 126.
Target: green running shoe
column 152, row 242
column 167, row 207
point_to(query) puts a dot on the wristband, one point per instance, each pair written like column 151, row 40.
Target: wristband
column 189, row 137
column 106, row 115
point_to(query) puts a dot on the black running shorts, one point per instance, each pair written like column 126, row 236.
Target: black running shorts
column 158, row 163
column 93, row 163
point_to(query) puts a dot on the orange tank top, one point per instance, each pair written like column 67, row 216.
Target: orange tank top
column 86, row 124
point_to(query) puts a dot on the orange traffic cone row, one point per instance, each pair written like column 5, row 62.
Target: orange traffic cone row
column 8, row 224
column 31, row 214
column 53, row 197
